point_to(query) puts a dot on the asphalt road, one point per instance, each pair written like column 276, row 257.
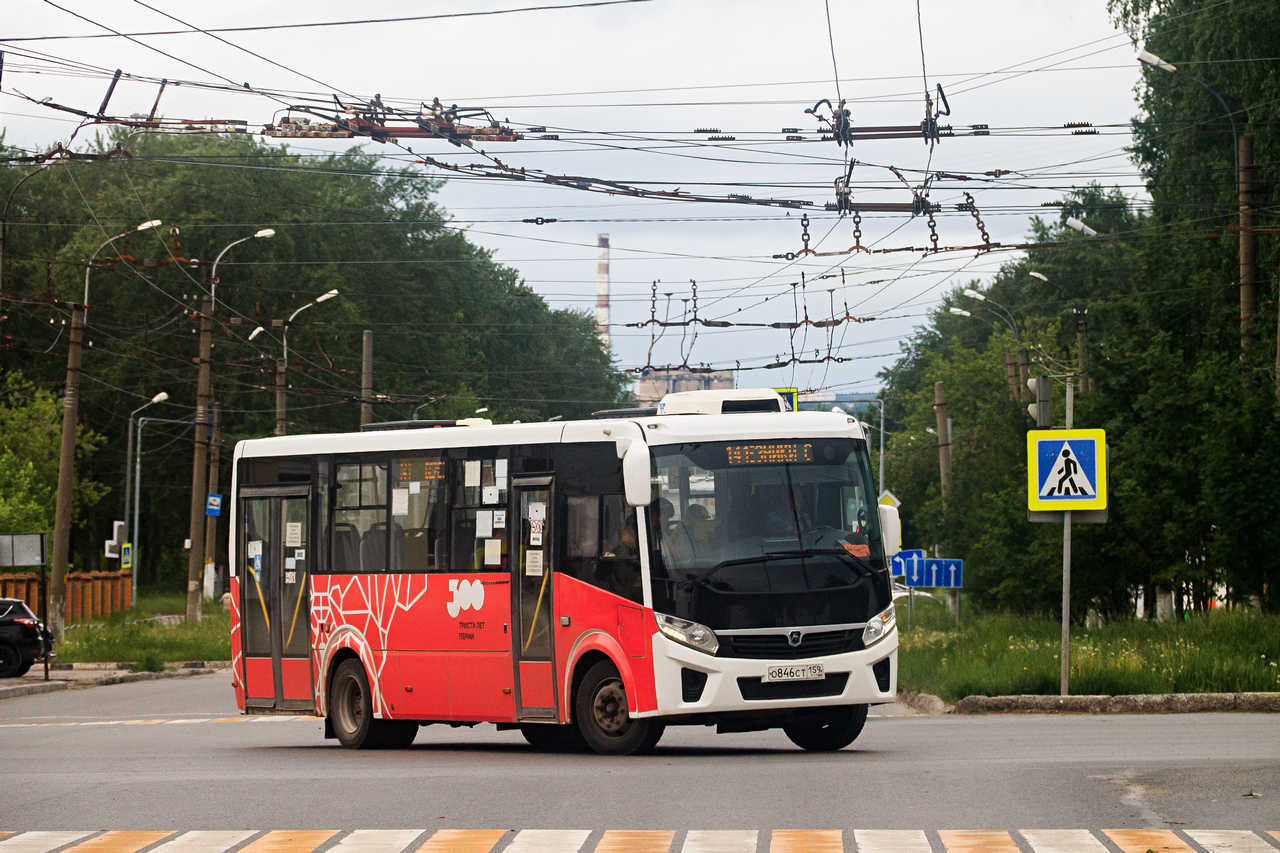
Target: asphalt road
column 101, row 769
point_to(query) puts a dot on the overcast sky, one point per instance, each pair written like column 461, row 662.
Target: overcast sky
column 625, row 86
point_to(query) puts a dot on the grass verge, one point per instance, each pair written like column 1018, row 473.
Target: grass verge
column 1001, row 655
column 133, row 635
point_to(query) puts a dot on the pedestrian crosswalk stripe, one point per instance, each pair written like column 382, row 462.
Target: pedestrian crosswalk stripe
column 720, row 841
column 891, row 841
column 39, row 842
column 1144, row 840
column 977, row 841
column 204, row 842
column 1063, row 841
column 462, row 841
column 631, row 841
column 1233, row 840
column 119, row 842
column 807, row 841
column 377, row 841
column 548, row 841
column 290, row 841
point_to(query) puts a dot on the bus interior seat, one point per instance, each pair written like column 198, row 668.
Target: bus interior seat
column 346, row 548
column 420, row 546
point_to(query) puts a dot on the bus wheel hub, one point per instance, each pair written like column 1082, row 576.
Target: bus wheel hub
column 611, row 708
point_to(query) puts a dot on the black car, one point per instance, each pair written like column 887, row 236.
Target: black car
column 23, row 638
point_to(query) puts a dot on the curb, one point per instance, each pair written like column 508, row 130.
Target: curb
column 130, row 677
column 111, row 666
column 924, row 703
column 32, row 689
column 1165, row 703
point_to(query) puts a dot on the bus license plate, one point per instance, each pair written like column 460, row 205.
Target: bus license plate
column 803, row 672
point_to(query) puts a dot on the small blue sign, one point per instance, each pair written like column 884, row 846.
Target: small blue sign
column 257, row 567
column 947, row 574
column 902, row 560
column 213, row 506
column 126, row 556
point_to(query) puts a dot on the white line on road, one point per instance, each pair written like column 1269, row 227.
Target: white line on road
column 204, row 842
column 1063, row 841
column 377, row 841
column 891, row 841
column 1233, row 840
column 548, row 841
column 40, row 842
column 724, row 841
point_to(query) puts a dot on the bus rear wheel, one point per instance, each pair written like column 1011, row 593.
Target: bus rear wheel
column 601, row 711
column 351, row 710
column 829, row 729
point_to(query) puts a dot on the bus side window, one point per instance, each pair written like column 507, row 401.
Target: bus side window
column 360, row 533
column 478, row 515
column 418, row 529
column 601, row 545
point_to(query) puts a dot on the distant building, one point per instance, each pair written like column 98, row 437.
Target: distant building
column 653, row 385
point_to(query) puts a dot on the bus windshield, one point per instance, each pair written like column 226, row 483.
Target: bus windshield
column 766, row 533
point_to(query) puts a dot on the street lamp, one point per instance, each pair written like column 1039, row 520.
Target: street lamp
column 1009, row 369
column 143, row 227
column 1072, row 222
column 283, row 363
column 213, row 275
column 1013, row 324
column 128, row 485
column 1148, row 58
column 1082, row 330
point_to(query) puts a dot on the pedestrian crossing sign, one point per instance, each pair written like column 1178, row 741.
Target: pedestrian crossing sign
column 1066, row 469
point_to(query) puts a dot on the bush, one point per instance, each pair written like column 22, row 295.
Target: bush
column 149, row 661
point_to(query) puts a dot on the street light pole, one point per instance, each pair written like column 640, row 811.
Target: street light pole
column 4, row 216
column 1009, row 369
column 137, row 489
column 283, row 363
column 128, row 482
column 89, row 266
column 213, row 276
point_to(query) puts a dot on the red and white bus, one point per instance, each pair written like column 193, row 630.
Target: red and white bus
column 719, row 561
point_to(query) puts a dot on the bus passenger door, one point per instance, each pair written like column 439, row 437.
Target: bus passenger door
column 275, row 544
column 532, row 586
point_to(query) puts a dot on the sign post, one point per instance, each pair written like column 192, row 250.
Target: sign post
column 1067, row 472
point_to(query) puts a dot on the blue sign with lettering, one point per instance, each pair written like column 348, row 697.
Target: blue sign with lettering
column 902, row 562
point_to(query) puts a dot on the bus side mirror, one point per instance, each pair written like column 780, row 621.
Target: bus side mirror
column 890, row 530
column 635, row 473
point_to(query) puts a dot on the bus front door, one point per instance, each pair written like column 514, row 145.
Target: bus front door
column 532, row 586
column 276, row 552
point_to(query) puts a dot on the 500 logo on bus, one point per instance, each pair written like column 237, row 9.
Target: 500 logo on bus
column 466, row 595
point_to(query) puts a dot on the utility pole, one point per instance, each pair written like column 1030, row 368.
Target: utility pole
column 1248, row 248
column 280, row 421
column 211, row 521
column 1011, row 373
column 199, row 466
column 1065, row 653
column 944, row 437
column 1082, row 350
column 1024, row 370
column 66, row 476
column 366, row 380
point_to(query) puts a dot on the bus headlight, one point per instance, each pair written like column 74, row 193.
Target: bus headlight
column 882, row 623
column 688, row 633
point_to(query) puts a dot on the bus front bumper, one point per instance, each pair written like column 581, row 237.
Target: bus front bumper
column 692, row 682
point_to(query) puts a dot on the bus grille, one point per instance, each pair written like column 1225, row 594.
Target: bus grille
column 775, row 646
column 756, row 688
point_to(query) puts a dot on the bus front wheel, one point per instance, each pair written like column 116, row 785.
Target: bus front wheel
column 829, row 729
column 351, row 710
column 601, row 711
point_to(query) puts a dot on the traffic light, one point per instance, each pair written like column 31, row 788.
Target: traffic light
column 1042, row 408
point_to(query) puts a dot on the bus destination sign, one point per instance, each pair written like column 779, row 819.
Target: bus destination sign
column 769, row 453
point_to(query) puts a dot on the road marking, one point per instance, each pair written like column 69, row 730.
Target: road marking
column 462, row 841
column 1063, row 841
column 726, row 841
column 290, row 841
column 39, row 842
column 891, row 841
column 205, row 842
column 180, row 722
column 1144, row 840
column 1233, row 840
column 627, row 841
column 120, row 842
column 807, row 841
column 977, row 841
column 377, row 841
column 548, row 841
